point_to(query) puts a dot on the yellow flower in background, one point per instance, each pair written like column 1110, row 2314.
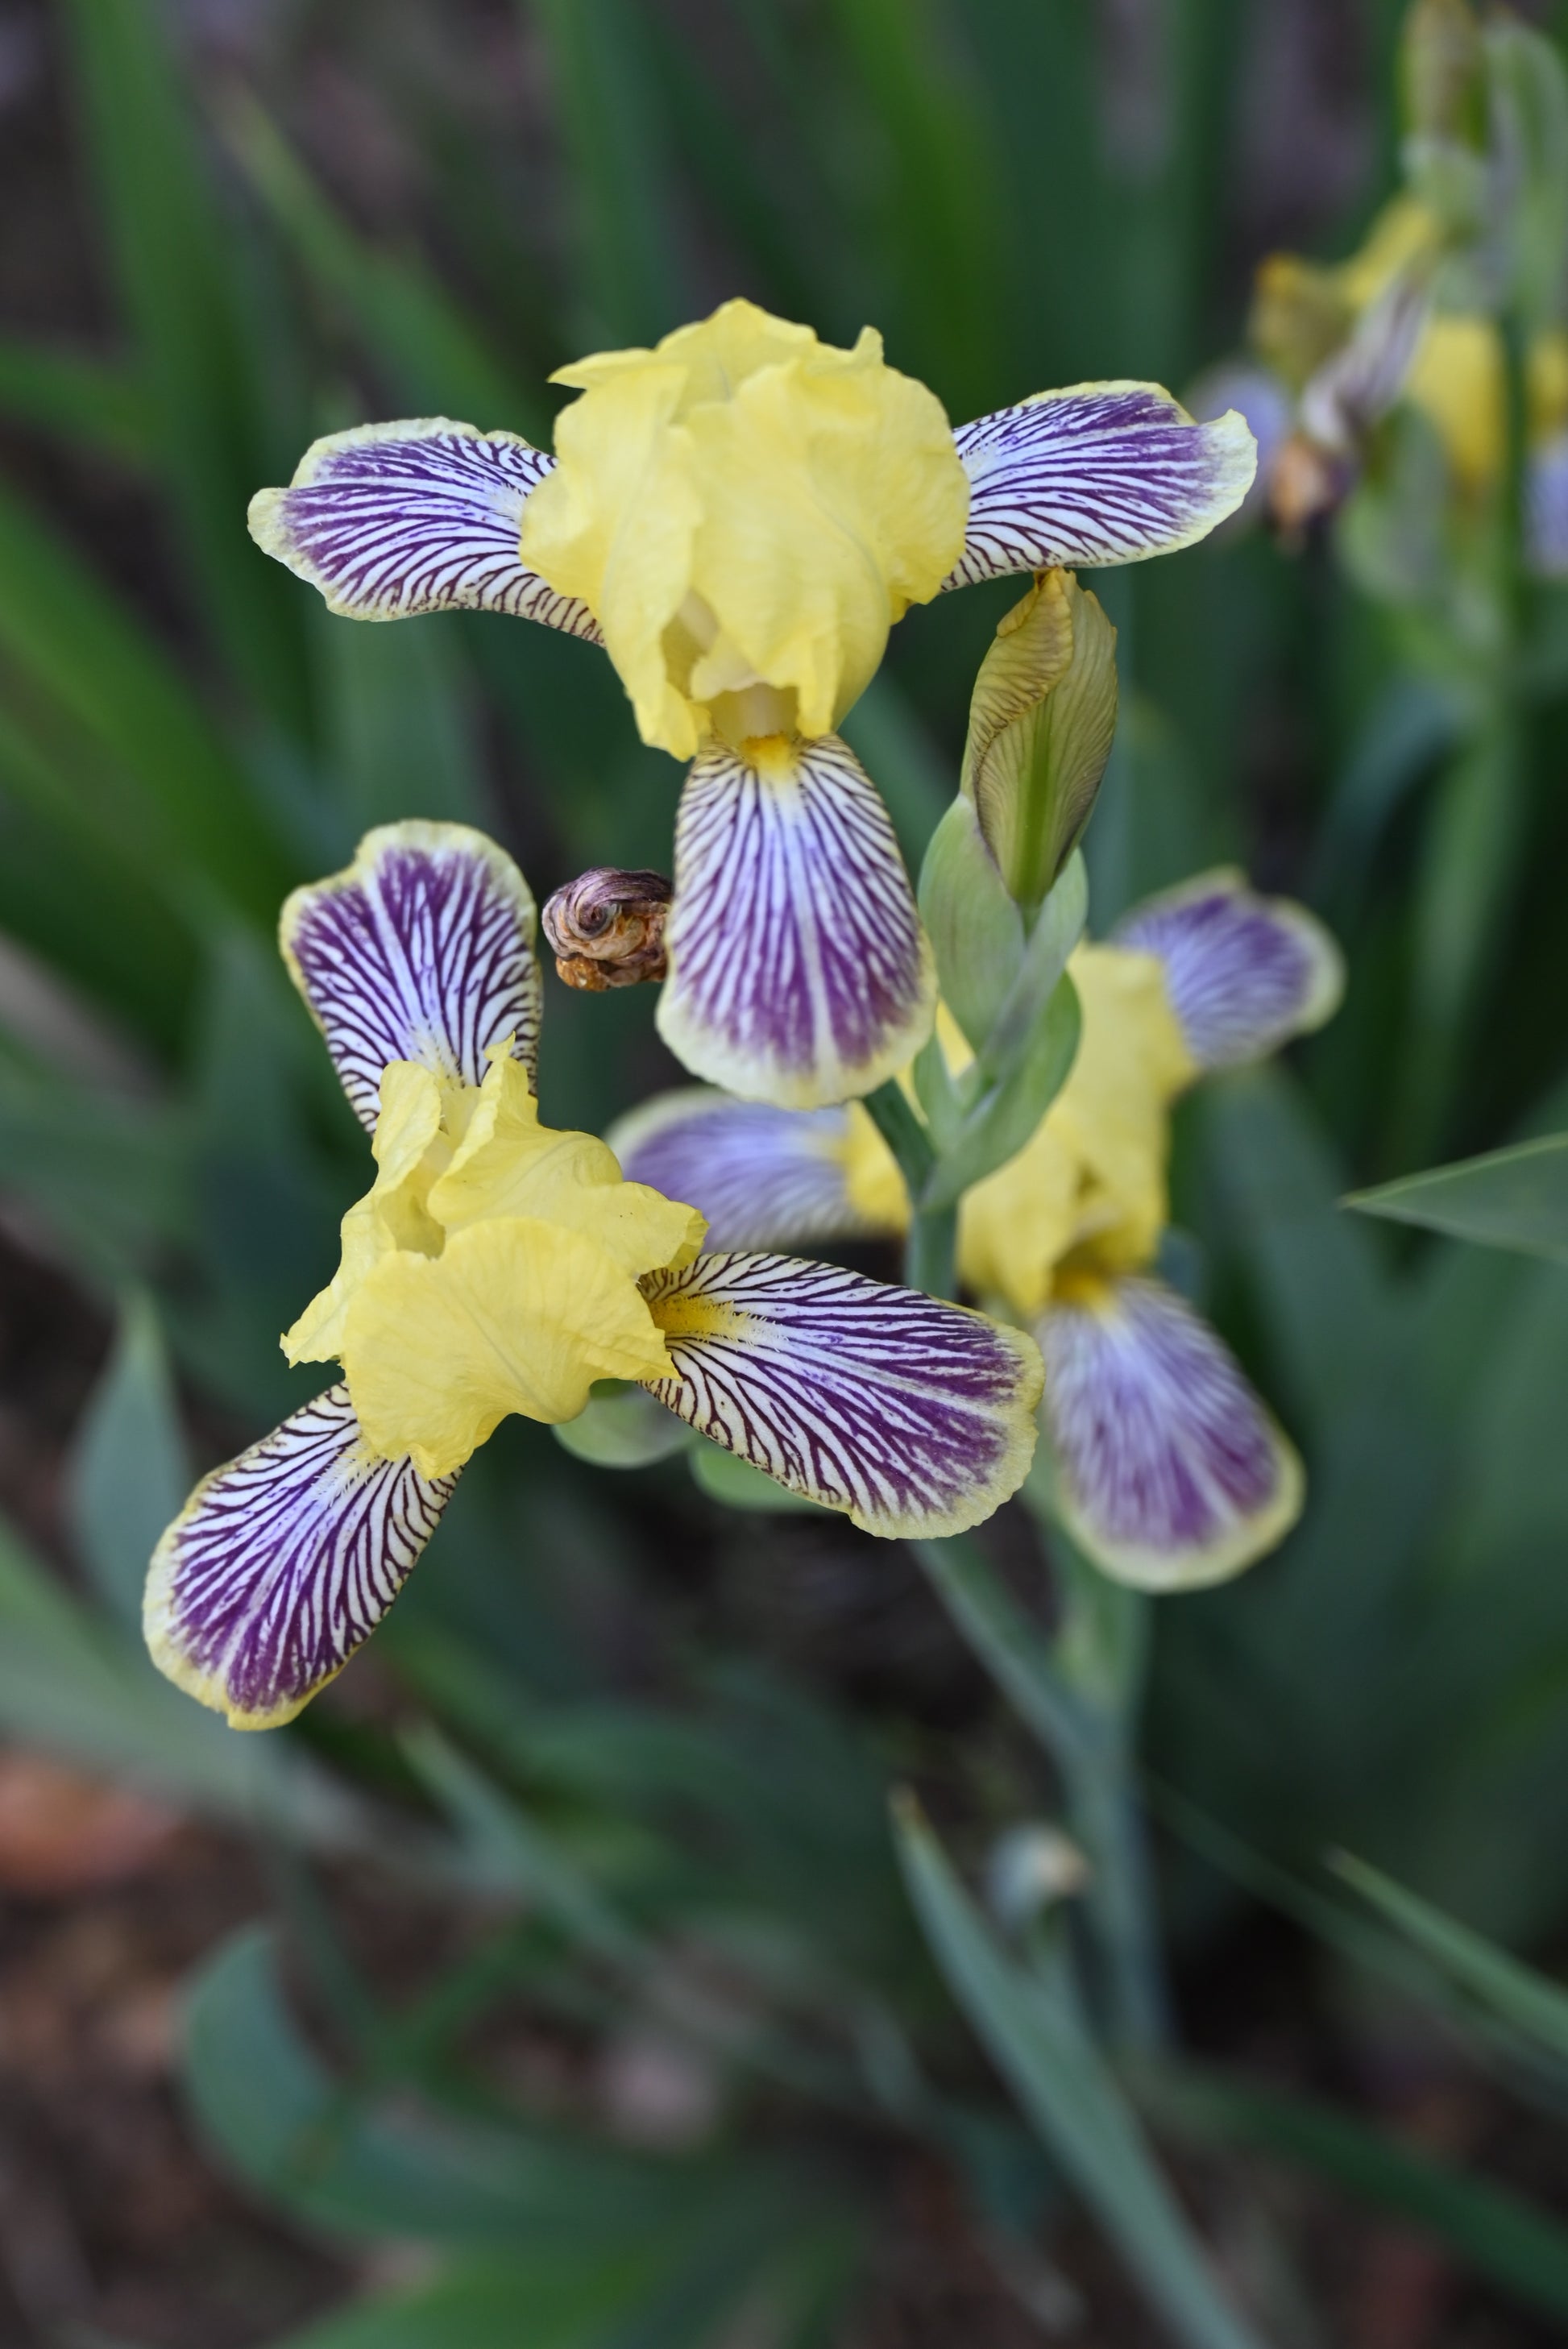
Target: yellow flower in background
column 493, row 1268
column 1445, row 362
column 1089, row 1187
column 747, row 512
column 1172, row 1471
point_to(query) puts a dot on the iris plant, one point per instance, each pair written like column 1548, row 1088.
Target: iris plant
column 498, row 1266
column 738, row 516
column 1171, row 1471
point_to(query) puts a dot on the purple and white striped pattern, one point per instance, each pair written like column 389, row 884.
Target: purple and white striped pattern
column 1106, row 473
column 282, row 1563
column 798, row 973
column 912, row 1416
column 422, row 950
column 1172, row 1474
column 390, row 520
column 1244, row 974
column 1546, row 509
column 764, row 1177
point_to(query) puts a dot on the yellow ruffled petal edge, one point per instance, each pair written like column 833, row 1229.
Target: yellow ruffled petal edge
column 515, row 1315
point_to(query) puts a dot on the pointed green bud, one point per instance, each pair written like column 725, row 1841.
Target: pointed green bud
column 1441, row 78
column 1040, row 730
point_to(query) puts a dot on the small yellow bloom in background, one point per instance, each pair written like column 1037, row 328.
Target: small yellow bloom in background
column 747, row 511
column 493, row 1268
column 1090, row 1184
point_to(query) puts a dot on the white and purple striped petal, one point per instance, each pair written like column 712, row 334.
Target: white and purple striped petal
column 912, row 1416
column 1546, row 508
column 1171, row 1472
column 1244, row 974
column 282, row 1563
column 764, row 1177
column 391, row 520
column 1106, row 473
column 422, row 950
column 799, row 972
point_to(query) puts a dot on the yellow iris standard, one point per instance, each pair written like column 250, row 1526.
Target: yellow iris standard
column 1087, row 1195
column 747, row 511
column 492, row 1268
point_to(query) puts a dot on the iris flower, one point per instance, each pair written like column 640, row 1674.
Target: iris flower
column 1339, row 347
column 1171, row 1472
column 738, row 516
column 496, row 1266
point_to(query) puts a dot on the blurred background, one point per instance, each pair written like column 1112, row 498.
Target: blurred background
column 551, row 1982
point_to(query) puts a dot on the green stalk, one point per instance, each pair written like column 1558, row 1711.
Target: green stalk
column 928, row 1262
column 1077, row 1694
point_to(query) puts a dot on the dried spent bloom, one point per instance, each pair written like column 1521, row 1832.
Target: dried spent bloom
column 739, row 516
column 1171, row 1471
column 495, row 1267
column 607, row 928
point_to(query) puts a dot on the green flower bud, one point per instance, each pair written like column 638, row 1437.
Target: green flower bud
column 1040, row 729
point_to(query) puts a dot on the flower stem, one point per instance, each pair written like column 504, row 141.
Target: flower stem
column 929, row 1252
column 1078, row 1693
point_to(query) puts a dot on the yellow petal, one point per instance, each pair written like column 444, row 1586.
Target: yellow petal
column 508, row 1164
column 516, row 1315
column 746, row 510
column 391, row 1215
column 1093, row 1175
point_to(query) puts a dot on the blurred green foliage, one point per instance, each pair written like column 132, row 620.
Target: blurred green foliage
column 673, row 1828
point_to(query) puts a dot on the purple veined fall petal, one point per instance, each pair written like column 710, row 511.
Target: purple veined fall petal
column 764, row 1177
column 1102, row 474
column 799, row 972
column 1244, row 973
column 1546, row 508
column 283, row 1562
column 421, row 950
column 392, row 520
column 912, row 1416
column 1172, row 1474
column 1259, row 395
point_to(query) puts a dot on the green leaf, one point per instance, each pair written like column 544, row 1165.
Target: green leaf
column 942, row 222
column 399, row 724
column 1518, row 1995
column 1496, row 2234
column 200, row 359
column 129, row 1474
column 1029, row 2024
column 327, row 2153
column 572, row 2298
column 975, row 929
column 95, row 402
column 69, row 1684
column 620, row 183
column 1514, row 1198
column 69, row 637
column 437, row 361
